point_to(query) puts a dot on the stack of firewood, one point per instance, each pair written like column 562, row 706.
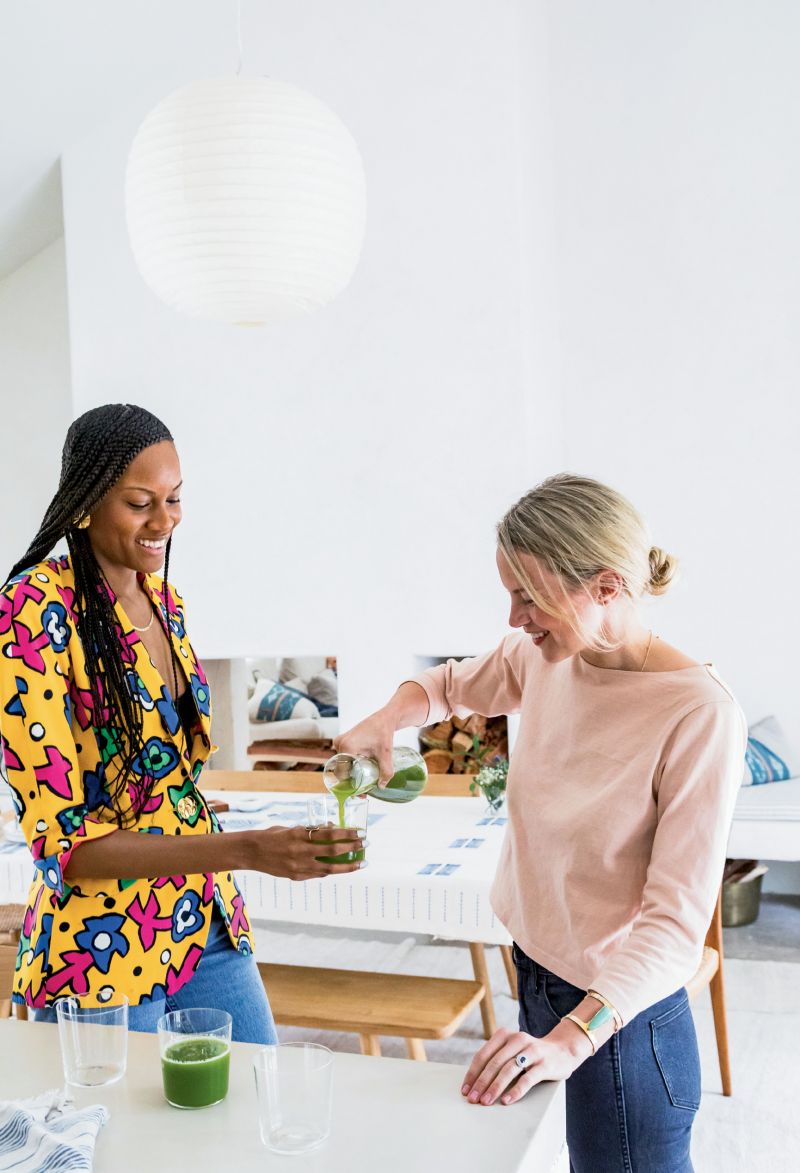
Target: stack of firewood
column 451, row 746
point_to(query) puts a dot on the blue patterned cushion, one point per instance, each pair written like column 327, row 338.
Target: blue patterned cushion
column 768, row 757
column 275, row 702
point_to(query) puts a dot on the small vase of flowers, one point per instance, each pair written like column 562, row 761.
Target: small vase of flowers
column 491, row 782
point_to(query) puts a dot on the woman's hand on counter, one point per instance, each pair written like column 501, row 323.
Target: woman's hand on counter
column 493, row 1074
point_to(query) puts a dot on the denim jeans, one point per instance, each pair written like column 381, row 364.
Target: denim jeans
column 630, row 1107
column 225, row 979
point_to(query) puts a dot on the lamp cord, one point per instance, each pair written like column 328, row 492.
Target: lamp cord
column 240, row 51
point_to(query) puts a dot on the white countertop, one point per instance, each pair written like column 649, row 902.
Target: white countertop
column 394, row 1115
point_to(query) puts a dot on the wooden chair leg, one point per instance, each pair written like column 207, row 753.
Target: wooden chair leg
column 481, row 972
column 717, row 990
column 370, row 1044
column 415, row 1049
column 511, row 969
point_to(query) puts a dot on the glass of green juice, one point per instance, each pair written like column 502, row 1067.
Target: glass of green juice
column 339, row 810
column 195, row 1050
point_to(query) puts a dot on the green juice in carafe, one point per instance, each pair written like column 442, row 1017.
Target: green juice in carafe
column 348, row 775
column 196, row 1072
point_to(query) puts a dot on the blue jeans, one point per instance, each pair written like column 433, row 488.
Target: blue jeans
column 225, row 980
column 630, row 1107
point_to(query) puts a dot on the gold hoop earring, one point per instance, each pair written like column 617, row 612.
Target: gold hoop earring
column 84, row 522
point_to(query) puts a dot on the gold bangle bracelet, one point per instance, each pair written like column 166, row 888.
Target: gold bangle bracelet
column 609, row 1005
column 574, row 1018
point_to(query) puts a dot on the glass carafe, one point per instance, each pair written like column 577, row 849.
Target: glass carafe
column 346, row 775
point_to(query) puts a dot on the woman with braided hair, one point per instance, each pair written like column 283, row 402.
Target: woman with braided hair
column 104, row 728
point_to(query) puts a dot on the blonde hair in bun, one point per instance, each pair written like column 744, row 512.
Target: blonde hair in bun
column 577, row 527
column 663, row 570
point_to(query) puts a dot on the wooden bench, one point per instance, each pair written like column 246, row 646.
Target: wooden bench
column 370, row 1004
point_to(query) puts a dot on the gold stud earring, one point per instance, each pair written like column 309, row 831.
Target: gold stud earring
column 84, row 522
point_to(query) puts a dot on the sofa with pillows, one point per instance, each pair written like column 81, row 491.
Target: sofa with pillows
column 766, row 820
column 294, row 697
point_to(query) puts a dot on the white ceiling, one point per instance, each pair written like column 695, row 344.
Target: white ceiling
column 64, row 64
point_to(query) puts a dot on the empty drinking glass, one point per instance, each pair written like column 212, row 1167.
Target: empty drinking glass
column 294, row 1084
column 94, row 1041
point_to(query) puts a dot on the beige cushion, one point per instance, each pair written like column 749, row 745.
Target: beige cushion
column 300, row 668
column 324, row 687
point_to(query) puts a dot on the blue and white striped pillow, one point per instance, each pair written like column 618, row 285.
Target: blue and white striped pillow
column 769, row 757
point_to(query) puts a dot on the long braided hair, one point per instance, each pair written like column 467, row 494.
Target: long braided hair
column 100, row 445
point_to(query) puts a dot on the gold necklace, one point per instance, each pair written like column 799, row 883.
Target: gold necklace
column 147, row 625
column 647, row 653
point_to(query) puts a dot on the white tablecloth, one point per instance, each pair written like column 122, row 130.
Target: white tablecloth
column 430, row 866
column 430, row 862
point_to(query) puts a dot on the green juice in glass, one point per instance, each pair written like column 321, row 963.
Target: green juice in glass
column 196, row 1072
column 344, row 789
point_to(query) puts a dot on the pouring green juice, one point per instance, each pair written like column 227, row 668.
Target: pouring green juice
column 343, row 792
column 349, row 777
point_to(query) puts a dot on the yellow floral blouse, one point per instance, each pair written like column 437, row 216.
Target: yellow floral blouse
column 96, row 938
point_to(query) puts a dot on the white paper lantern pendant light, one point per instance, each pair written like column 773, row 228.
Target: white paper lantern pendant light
column 245, row 200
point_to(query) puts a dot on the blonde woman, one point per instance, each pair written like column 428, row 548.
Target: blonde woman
column 620, row 795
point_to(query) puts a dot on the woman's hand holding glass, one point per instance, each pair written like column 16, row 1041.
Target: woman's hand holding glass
column 292, row 853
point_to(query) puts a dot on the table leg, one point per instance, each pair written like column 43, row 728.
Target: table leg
column 370, row 1044
column 481, row 972
column 415, row 1049
column 511, row 969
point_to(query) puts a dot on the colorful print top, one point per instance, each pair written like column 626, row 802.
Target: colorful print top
column 96, row 938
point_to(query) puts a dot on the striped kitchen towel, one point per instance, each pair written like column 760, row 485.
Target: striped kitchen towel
column 47, row 1133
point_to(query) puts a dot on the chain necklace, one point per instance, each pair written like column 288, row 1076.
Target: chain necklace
column 647, row 653
column 146, row 627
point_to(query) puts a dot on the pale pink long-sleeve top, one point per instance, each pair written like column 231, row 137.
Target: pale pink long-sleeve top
column 620, row 796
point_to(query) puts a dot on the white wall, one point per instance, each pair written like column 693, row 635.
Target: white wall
column 582, row 251
column 35, row 395
column 678, row 187
column 344, row 473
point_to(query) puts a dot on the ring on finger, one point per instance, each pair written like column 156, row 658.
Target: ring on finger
column 521, row 1060
column 310, row 830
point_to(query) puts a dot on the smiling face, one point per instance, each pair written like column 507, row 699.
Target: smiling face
column 130, row 527
column 557, row 636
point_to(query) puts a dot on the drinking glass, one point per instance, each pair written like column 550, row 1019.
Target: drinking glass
column 336, row 811
column 195, row 1047
column 294, row 1085
column 94, row 1041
